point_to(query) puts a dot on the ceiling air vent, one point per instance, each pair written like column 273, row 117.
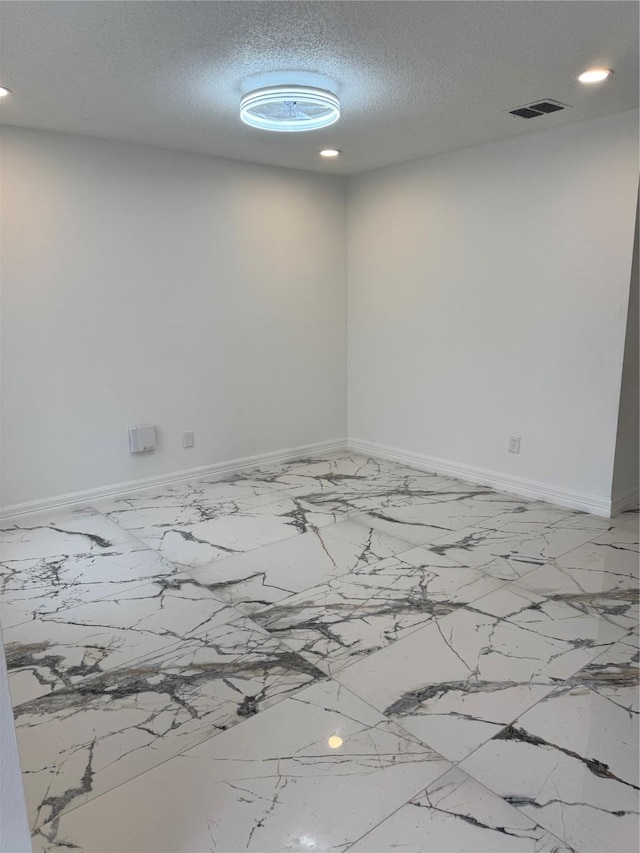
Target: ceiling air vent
column 538, row 108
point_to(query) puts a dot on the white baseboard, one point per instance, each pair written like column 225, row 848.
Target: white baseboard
column 220, row 469
column 502, row 482
column 628, row 501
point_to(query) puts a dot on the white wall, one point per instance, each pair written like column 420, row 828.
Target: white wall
column 488, row 295
column 146, row 286
column 627, row 461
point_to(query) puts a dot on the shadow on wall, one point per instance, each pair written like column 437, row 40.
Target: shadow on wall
column 626, row 467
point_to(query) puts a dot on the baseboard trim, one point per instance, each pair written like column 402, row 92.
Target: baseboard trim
column 502, row 482
column 77, row 499
column 628, row 501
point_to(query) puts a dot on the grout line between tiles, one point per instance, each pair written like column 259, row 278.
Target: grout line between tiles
column 346, row 517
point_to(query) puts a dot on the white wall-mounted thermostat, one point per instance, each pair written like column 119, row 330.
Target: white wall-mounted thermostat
column 142, row 438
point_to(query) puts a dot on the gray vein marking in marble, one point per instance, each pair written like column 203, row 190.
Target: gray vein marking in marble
column 508, row 643
column 598, row 768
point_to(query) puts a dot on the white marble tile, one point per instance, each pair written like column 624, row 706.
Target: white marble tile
column 509, row 606
column 60, row 533
column 621, row 537
column 34, row 588
column 332, row 480
column 258, row 578
column 60, row 650
column 439, row 513
column 173, row 496
column 83, row 740
column 393, row 487
column 508, row 550
column 418, row 487
column 339, row 470
column 272, row 784
column 587, row 589
column 630, row 522
column 456, row 814
column 347, row 483
column 603, row 563
column 571, row 764
column 243, row 489
column 226, row 530
column 538, row 514
column 180, row 507
column 544, row 531
column 488, row 551
column 345, row 473
column 551, row 616
column 190, row 501
column 614, row 675
column 463, row 677
column 336, row 623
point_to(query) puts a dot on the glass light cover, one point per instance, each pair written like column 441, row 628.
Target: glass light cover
column 289, row 109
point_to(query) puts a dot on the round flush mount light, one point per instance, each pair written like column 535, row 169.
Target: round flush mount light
column 289, row 109
column 595, row 75
column 4, row 92
column 330, row 152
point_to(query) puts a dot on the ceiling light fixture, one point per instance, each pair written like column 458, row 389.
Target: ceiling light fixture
column 595, row 75
column 4, row 92
column 289, row 109
column 330, row 152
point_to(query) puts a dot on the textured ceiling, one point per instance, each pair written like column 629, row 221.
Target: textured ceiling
column 414, row 78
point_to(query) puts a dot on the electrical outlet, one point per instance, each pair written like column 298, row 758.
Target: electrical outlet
column 187, row 438
column 514, row 444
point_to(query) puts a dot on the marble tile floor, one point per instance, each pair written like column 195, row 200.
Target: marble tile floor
column 337, row 653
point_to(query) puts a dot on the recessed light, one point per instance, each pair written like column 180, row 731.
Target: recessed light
column 595, row 75
column 330, row 152
column 289, row 109
column 335, row 741
column 4, row 92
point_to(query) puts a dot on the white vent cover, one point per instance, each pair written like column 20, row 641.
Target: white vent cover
column 539, row 108
column 142, row 438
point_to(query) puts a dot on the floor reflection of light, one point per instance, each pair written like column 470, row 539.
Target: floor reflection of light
column 335, row 741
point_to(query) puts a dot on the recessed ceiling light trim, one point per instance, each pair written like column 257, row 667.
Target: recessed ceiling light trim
column 595, row 75
column 289, row 109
